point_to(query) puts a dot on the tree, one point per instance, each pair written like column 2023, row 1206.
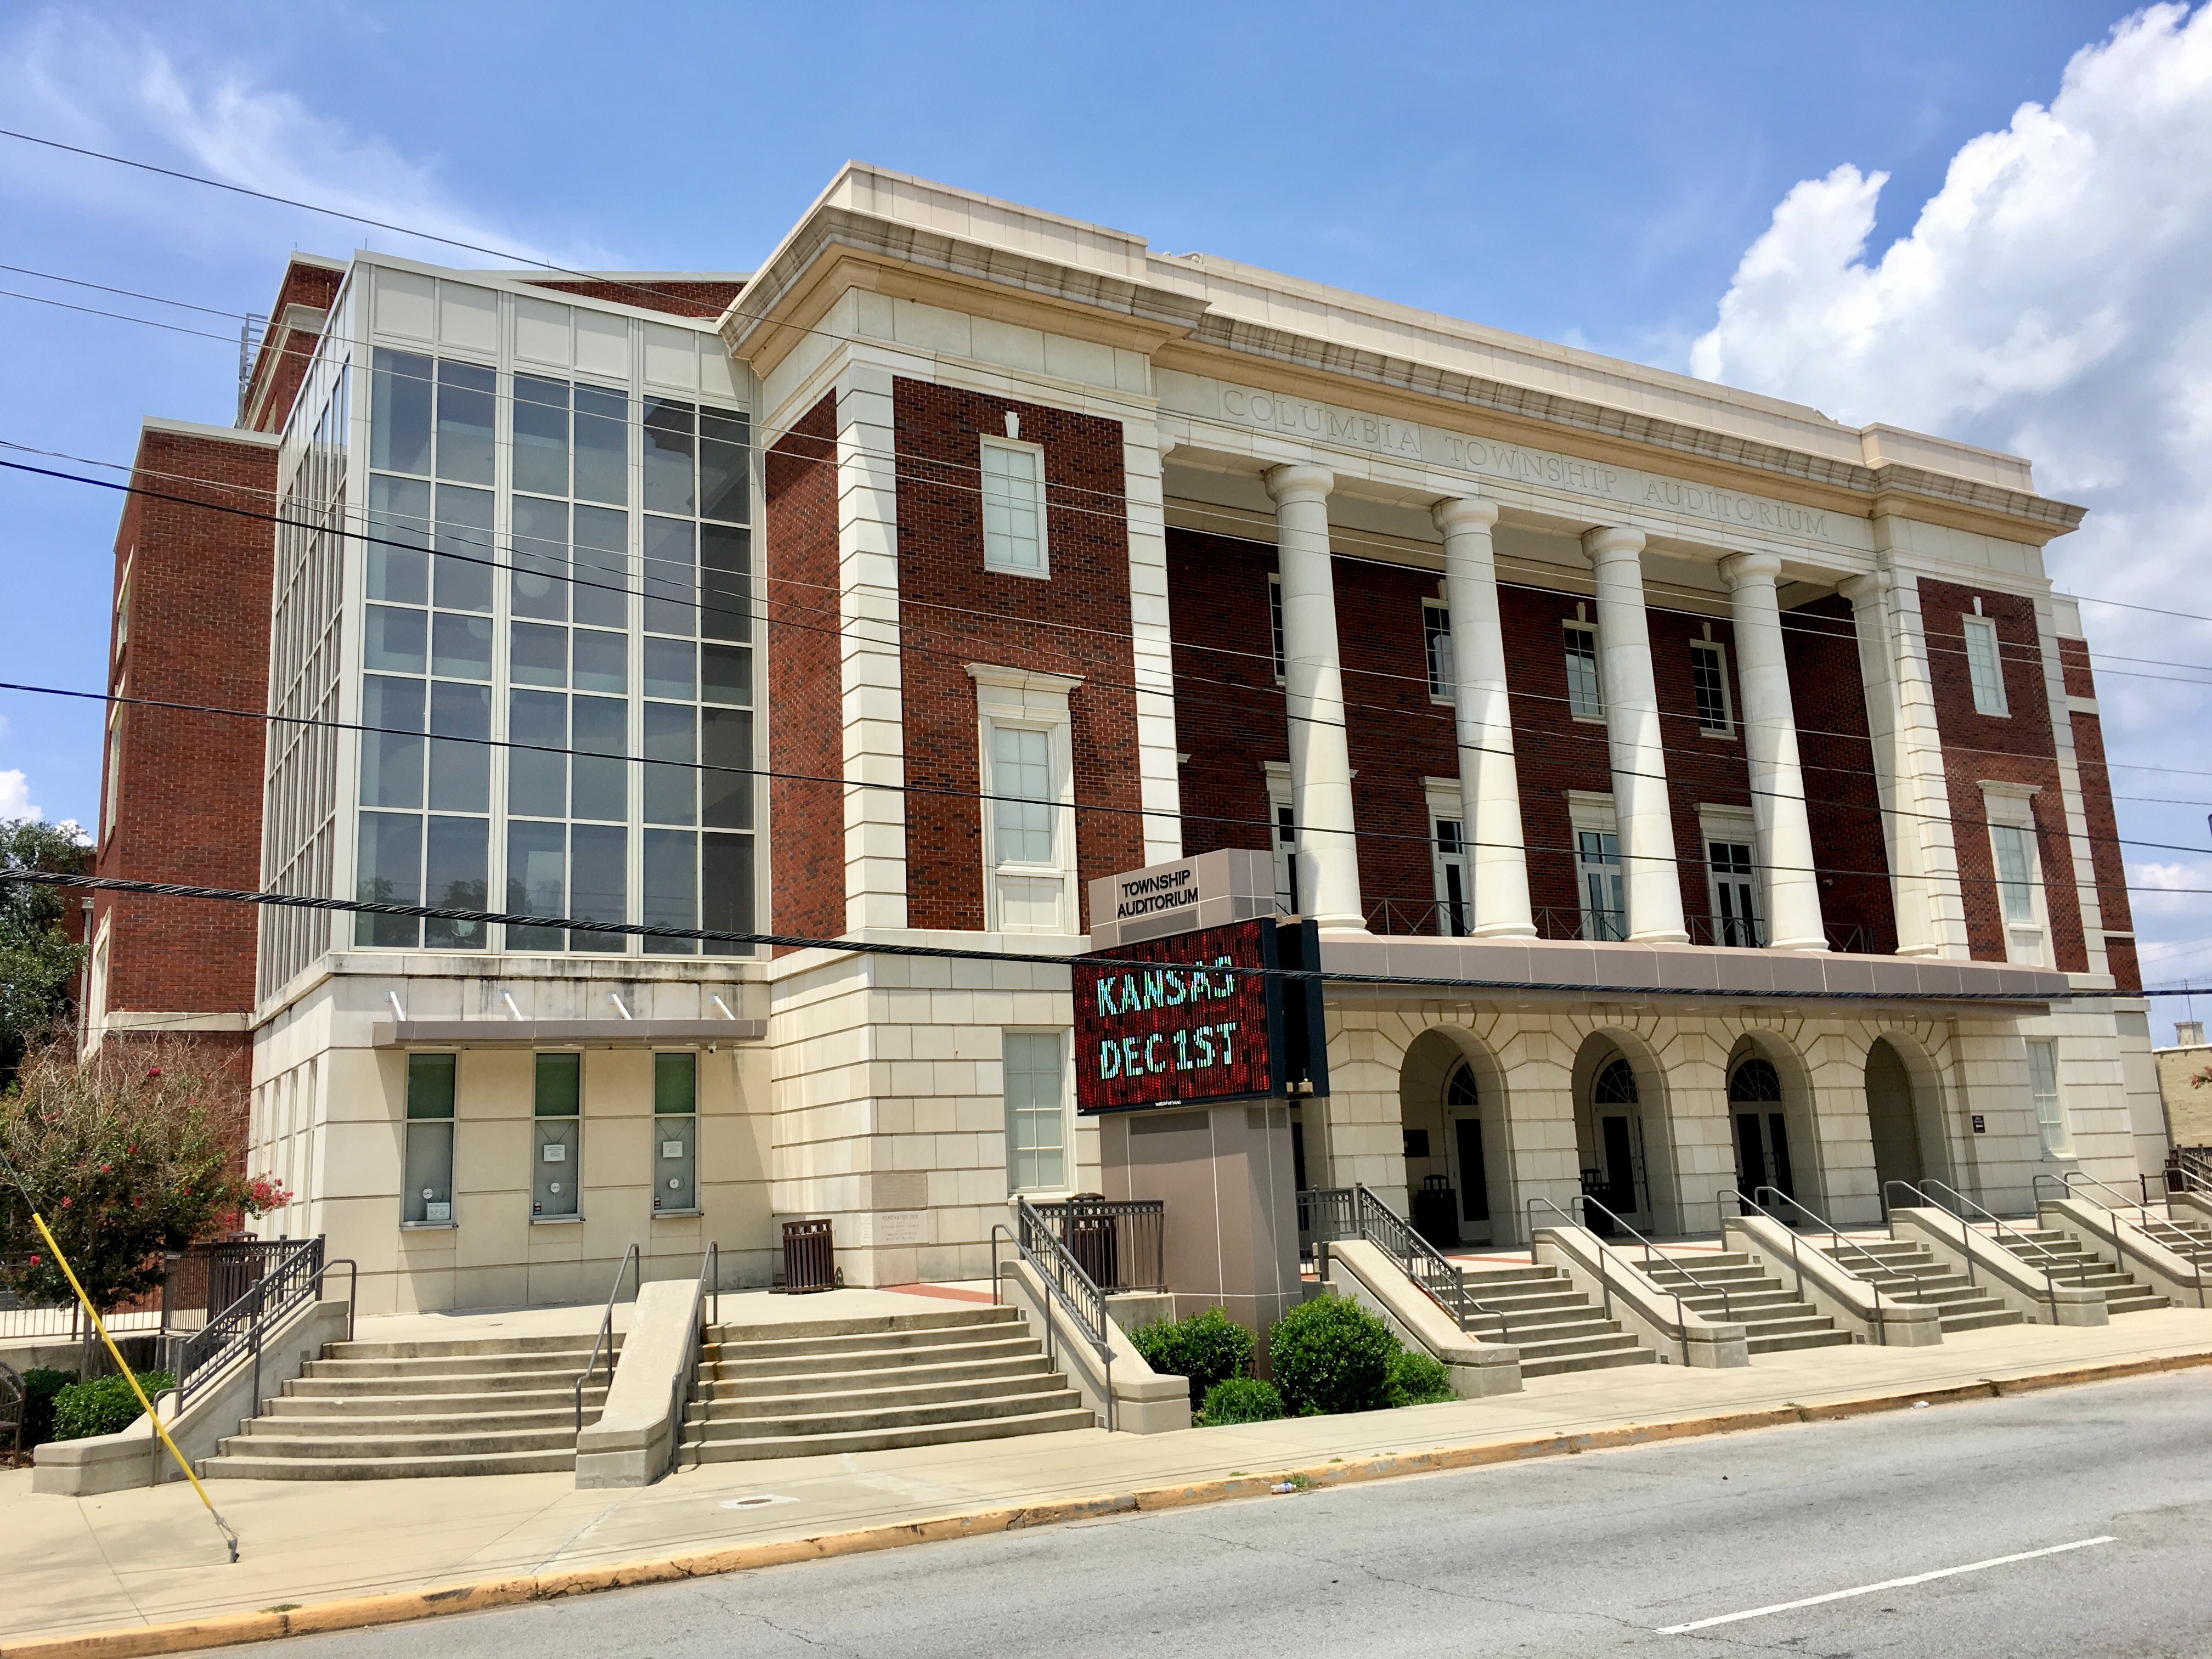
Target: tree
column 127, row 1155
column 39, row 961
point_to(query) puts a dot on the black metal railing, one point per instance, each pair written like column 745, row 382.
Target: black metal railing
column 1121, row 1242
column 1437, row 918
column 1324, row 1214
column 2189, row 1169
column 1941, row 1195
column 1604, row 1262
column 1582, row 1204
column 238, row 1332
column 632, row 1265
column 1327, row 1214
column 2175, row 1238
column 1064, row 1282
column 1764, row 1199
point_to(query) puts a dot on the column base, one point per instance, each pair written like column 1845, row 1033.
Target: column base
column 1505, row 930
column 1799, row 945
column 1678, row 937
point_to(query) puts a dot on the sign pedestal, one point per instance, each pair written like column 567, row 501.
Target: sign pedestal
column 1225, row 1173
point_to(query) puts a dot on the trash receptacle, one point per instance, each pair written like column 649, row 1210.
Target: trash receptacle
column 810, row 1256
column 1095, row 1241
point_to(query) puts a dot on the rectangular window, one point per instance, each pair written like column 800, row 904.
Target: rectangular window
column 1284, row 836
column 1437, row 638
column 1735, row 911
column 1275, row 626
column 1014, row 508
column 2051, row 1121
column 556, row 1164
column 1453, row 887
column 674, row 1132
column 2015, row 872
column 1021, row 779
column 1605, row 903
column 1985, row 666
column 1709, row 679
column 426, row 1198
column 1585, row 693
column 1036, row 1116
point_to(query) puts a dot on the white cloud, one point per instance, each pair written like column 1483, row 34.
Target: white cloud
column 2054, row 300
column 15, row 797
column 73, row 76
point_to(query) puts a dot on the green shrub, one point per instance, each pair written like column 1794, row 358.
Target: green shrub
column 1240, row 1400
column 104, row 1405
column 39, row 1387
column 1207, row 1348
column 1331, row 1355
column 1418, row 1380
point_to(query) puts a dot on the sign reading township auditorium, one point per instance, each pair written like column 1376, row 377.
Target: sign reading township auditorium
column 1177, row 1020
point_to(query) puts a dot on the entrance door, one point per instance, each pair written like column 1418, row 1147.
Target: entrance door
column 1618, row 1135
column 1474, row 1180
column 1762, row 1153
column 1893, row 1122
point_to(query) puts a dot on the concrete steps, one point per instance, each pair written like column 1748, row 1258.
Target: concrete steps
column 1961, row 1304
column 1730, row 1286
column 1557, row 1328
column 873, row 1383
column 2072, row 1262
column 379, row 1411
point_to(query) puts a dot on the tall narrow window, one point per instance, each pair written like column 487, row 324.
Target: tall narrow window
column 1985, row 666
column 1436, row 635
column 2015, row 872
column 1709, row 679
column 1021, row 779
column 1275, row 625
column 1735, row 914
column 426, row 1198
column 2051, row 1121
column 556, row 1165
column 1451, row 877
column 1014, row 508
column 1037, row 1115
column 1605, row 903
column 675, row 1132
column 1585, row 697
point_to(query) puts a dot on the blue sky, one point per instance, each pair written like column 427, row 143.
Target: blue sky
column 1589, row 174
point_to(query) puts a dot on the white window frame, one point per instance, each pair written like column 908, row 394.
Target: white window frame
column 1282, row 808
column 1025, row 699
column 2011, row 806
column 1726, row 729
column 1597, row 667
column 1446, row 807
column 1278, row 641
column 1436, row 648
column 1001, row 562
column 114, row 812
column 1065, row 1184
column 2054, row 1125
column 1590, row 812
column 1995, row 702
column 1735, row 826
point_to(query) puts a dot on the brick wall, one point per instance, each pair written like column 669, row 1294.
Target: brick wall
column 1398, row 737
column 952, row 611
column 1230, row 713
column 2106, row 857
column 1552, row 752
column 1701, row 770
column 1836, row 748
column 282, row 362
column 2013, row 748
column 805, row 681
column 187, row 804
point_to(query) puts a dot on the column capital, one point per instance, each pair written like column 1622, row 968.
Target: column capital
column 1741, row 568
column 1299, row 481
column 1611, row 541
column 1464, row 512
column 1860, row 589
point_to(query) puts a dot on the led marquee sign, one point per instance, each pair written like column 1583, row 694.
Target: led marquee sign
column 1176, row 1021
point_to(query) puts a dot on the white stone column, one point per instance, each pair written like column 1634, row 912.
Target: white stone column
column 1770, row 735
column 1489, row 788
column 1152, row 644
column 1632, row 733
column 868, row 617
column 1321, row 763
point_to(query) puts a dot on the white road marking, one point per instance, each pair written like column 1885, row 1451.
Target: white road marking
column 1887, row 1584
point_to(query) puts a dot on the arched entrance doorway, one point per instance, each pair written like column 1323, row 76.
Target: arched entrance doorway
column 1893, row 1119
column 1762, row 1128
column 1615, row 1171
column 1452, row 1113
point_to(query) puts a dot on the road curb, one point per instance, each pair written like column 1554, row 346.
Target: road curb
column 402, row 1607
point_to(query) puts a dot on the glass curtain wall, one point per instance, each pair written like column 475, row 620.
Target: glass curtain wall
column 586, row 598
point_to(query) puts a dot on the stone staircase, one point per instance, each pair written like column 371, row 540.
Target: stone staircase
column 1961, row 1304
column 871, row 1383
column 1557, row 1328
column 2072, row 1262
column 1774, row 1321
column 374, row 1411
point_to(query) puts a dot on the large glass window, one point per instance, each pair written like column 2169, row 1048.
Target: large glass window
column 1013, row 508
column 1709, row 681
column 1036, row 1116
column 1605, row 906
column 556, row 1165
column 1435, row 635
column 676, row 1132
column 426, row 1198
column 1021, row 780
column 1735, row 911
column 1985, row 666
column 2051, row 1120
column 588, row 601
column 2015, row 872
column 1585, row 696
column 1275, row 626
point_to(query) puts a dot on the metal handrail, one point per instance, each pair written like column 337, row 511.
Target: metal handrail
column 2119, row 1247
column 1421, row 1261
column 2043, row 1250
column 2195, row 1170
column 238, row 1330
column 633, row 1265
column 1065, row 1281
column 687, row 1373
column 1836, row 1239
column 1728, row 1305
column 1605, row 1279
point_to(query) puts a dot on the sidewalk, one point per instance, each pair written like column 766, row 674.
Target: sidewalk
column 147, row 1557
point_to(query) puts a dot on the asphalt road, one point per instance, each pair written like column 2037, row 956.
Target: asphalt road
column 1598, row 1554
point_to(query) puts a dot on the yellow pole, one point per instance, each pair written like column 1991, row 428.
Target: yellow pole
column 229, row 1537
